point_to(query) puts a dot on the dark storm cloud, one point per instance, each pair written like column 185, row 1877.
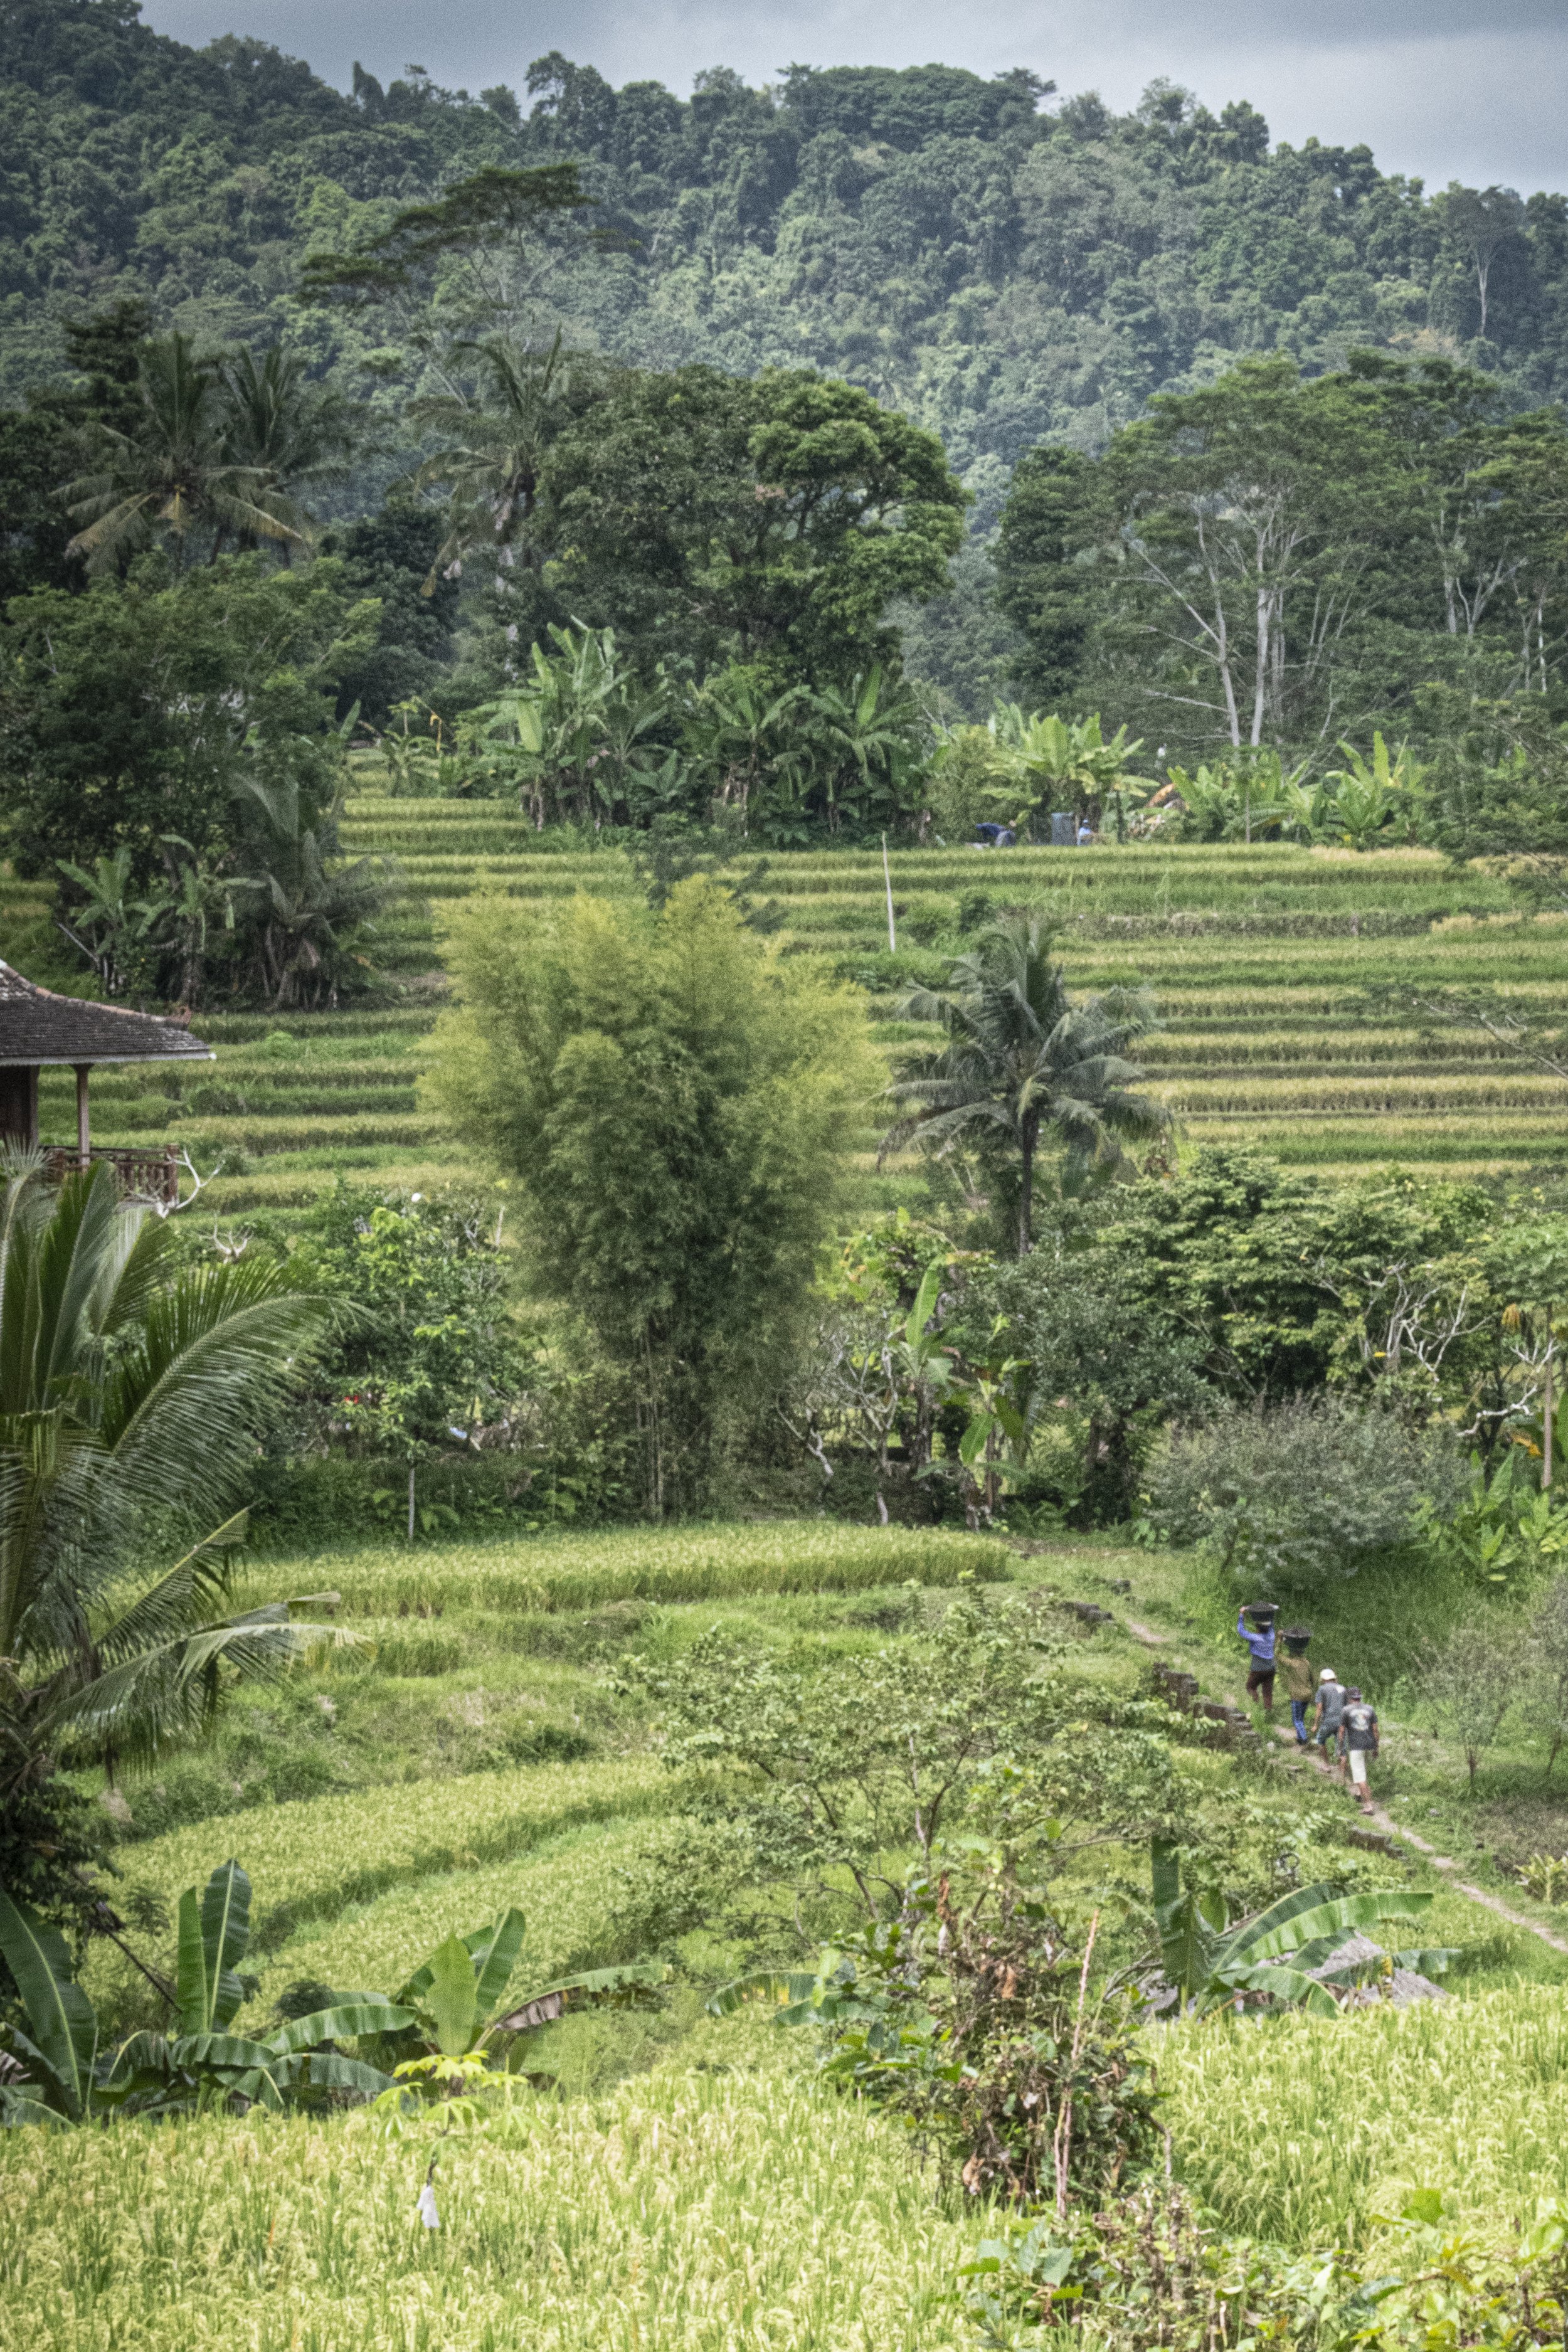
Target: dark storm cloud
column 1474, row 89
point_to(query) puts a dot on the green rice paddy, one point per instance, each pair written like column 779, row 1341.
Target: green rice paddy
column 1277, row 971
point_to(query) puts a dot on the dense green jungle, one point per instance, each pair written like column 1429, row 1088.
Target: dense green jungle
column 1003, row 264
column 784, row 1562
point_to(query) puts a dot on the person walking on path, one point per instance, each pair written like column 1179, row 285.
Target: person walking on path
column 1358, row 1742
column 1259, row 1640
column 1299, row 1678
column 1331, row 1695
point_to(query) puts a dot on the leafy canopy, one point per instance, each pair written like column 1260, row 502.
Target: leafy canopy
column 676, row 1102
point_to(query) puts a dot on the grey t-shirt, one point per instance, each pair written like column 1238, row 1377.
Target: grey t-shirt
column 1360, row 1725
column 1331, row 1699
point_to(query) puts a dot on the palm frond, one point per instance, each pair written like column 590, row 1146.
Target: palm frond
column 217, row 1352
column 168, row 1693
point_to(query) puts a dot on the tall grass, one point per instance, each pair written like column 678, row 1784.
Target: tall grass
column 1370, row 1627
column 1290, row 2128
column 575, row 1905
column 673, row 1564
column 687, row 2211
column 313, row 1858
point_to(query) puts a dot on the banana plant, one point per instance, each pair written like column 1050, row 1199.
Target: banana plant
column 1056, row 760
column 58, row 2051
column 1210, row 1960
column 1251, row 800
column 457, row 1999
column 457, row 2004
column 998, row 1395
column 201, row 2061
column 1370, row 799
column 448, row 2012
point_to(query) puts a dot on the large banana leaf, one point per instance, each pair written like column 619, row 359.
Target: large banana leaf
column 64, row 2038
column 611, row 1988
column 324, row 2069
column 494, row 1961
column 781, row 1987
column 349, row 2022
column 18, row 2105
column 216, row 2053
column 1281, row 1982
column 477, row 1941
column 212, row 1943
column 1166, row 1871
column 1274, row 1953
column 1190, row 1937
column 459, row 2006
column 1315, row 1912
column 800, row 1997
column 452, row 1998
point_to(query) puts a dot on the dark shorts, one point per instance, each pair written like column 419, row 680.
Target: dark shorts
column 1260, row 1685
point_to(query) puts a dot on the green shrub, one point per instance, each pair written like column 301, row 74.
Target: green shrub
column 1290, row 1498
column 332, row 1498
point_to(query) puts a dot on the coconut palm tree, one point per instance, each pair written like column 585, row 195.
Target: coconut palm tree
column 292, row 435
column 130, row 1402
column 494, row 445
column 175, row 469
column 1023, row 1065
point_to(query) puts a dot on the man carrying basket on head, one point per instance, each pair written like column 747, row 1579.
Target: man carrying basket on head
column 1259, row 1640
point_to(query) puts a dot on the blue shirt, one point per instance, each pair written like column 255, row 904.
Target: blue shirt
column 1260, row 1644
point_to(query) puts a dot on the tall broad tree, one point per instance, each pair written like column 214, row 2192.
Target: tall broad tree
column 1248, row 520
column 1022, row 1068
column 678, row 1102
column 773, row 518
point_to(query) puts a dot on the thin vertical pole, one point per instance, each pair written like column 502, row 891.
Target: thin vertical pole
column 83, row 1132
column 1546, row 1430
column 888, row 878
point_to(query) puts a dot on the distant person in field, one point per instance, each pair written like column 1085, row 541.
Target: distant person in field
column 1301, row 1679
column 1259, row 1640
column 1359, row 1742
column 1085, row 835
column 1331, row 1696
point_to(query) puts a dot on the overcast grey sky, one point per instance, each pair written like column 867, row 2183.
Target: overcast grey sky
column 1469, row 89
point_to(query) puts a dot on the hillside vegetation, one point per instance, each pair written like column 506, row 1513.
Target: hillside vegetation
column 691, row 2179
column 1003, row 270
column 863, row 788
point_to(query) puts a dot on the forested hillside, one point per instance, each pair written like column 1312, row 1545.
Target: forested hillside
column 1002, row 263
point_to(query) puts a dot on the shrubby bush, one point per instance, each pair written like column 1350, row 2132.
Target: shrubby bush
column 1151, row 2272
column 1294, row 1496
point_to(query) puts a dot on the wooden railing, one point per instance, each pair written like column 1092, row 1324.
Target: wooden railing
column 138, row 1175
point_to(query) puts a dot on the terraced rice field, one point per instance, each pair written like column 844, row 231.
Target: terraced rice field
column 691, row 2187
column 1267, row 964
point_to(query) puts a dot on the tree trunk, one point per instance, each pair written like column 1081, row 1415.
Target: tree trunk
column 1546, row 1415
column 1026, row 1188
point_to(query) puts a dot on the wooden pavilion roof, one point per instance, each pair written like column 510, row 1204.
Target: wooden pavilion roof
column 39, row 1028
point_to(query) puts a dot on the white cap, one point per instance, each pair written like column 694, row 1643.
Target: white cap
column 1328, row 1676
